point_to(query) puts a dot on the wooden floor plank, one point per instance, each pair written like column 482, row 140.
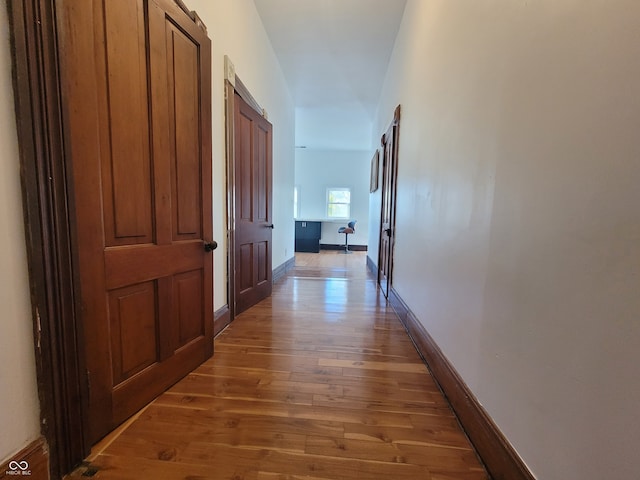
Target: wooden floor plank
column 367, row 365
column 318, row 382
column 444, row 434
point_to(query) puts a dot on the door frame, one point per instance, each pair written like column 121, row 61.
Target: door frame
column 50, row 238
column 48, row 205
column 394, row 126
column 233, row 85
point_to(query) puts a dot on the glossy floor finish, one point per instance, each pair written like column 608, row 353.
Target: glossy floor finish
column 318, row 382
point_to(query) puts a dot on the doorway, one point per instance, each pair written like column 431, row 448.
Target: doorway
column 386, row 243
column 250, row 192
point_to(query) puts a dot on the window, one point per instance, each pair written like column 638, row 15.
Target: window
column 338, row 202
column 296, row 204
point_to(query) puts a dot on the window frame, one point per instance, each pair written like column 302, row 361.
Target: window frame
column 329, row 203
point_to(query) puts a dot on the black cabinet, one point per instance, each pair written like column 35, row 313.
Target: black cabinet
column 308, row 236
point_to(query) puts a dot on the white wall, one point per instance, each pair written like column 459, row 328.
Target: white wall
column 519, row 174
column 331, row 128
column 236, row 30
column 317, row 170
column 19, row 408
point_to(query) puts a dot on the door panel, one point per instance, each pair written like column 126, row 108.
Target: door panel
column 253, row 216
column 183, row 87
column 127, row 174
column 245, row 274
column 244, row 166
column 263, row 182
column 137, row 80
column 188, row 300
column 134, row 329
column 263, row 266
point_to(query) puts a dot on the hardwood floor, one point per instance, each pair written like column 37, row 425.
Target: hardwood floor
column 318, row 382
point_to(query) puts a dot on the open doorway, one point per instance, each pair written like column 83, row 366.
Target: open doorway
column 388, row 210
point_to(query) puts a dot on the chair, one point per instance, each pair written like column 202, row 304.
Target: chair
column 350, row 228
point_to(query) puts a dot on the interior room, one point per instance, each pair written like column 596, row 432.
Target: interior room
column 491, row 158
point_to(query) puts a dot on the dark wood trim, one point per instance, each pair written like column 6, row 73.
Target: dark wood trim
column 221, row 318
column 499, row 456
column 335, row 246
column 192, row 14
column 371, row 265
column 281, row 270
column 48, row 205
column 229, row 96
column 185, row 9
column 247, row 97
column 36, row 456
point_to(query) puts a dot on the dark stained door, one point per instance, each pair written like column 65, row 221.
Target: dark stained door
column 136, row 79
column 388, row 211
column 252, row 200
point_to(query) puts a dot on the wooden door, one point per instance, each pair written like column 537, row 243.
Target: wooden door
column 388, row 210
column 136, row 82
column 252, row 200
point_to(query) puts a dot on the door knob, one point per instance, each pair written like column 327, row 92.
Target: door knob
column 269, row 226
column 210, row 247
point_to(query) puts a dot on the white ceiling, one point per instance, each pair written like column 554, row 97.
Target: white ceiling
column 334, row 54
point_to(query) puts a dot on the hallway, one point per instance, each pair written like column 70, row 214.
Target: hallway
column 318, row 382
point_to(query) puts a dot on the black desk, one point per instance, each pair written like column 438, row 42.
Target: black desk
column 308, row 236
